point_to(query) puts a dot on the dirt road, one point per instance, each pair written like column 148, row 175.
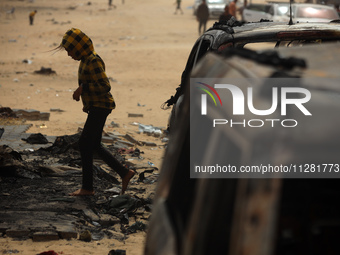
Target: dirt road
column 145, row 47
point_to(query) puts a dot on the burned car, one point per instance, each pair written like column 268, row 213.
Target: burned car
column 237, row 213
column 234, row 34
column 260, row 214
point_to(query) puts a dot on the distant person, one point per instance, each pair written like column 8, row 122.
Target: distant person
column 31, row 17
column 110, row 4
column 245, row 3
column 202, row 16
column 337, row 8
column 225, row 16
column 233, row 8
column 94, row 90
column 178, row 6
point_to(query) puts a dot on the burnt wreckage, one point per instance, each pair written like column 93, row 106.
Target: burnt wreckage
column 255, row 215
column 34, row 186
column 236, row 35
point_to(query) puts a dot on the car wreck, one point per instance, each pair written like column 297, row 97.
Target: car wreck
column 234, row 34
column 253, row 214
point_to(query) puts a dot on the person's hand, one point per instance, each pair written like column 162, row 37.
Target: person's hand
column 77, row 93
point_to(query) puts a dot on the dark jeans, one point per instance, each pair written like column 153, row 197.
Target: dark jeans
column 90, row 142
column 202, row 23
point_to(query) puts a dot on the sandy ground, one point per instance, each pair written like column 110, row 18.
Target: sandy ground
column 145, row 47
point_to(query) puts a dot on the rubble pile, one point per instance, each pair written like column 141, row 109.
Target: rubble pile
column 25, row 114
column 34, row 188
column 6, row 112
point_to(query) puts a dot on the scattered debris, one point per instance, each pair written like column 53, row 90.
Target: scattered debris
column 117, row 252
column 42, row 126
column 15, row 132
column 31, row 114
column 27, row 61
column 56, row 110
column 135, row 115
column 126, row 38
column 85, row 236
column 150, row 130
column 165, row 140
column 150, row 144
column 38, row 180
column 72, row 7
column 45, row 71
column 45, row 236
column 36, row 139
column 138, row 225
column 132, row 139
column 48, row 253
column 41, row 179
column 113, row 124
column 11, row 251
column 112, row 79
column 141, row 177
column 6, row 112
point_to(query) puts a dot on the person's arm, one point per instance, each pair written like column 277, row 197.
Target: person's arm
column 77, row 93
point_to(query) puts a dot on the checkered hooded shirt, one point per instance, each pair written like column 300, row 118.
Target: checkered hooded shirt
column 91, row 73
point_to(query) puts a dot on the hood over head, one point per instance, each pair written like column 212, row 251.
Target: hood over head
column 77, row 42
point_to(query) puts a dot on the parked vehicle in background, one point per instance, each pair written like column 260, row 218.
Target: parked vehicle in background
column 275, row 11
column 313, row 13
column 216, row 7
column 279, row 12
column 256, row 12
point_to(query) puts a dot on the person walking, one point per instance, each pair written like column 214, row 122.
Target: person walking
column 31, row 17
column 233, row 8
column 178, row 6
column 202, row 16
column 110, row 4
column 224, row 17
column 94, row 90
column 241, row 9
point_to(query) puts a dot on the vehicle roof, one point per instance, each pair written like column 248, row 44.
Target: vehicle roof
column 271, row 32
column 319, row 61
